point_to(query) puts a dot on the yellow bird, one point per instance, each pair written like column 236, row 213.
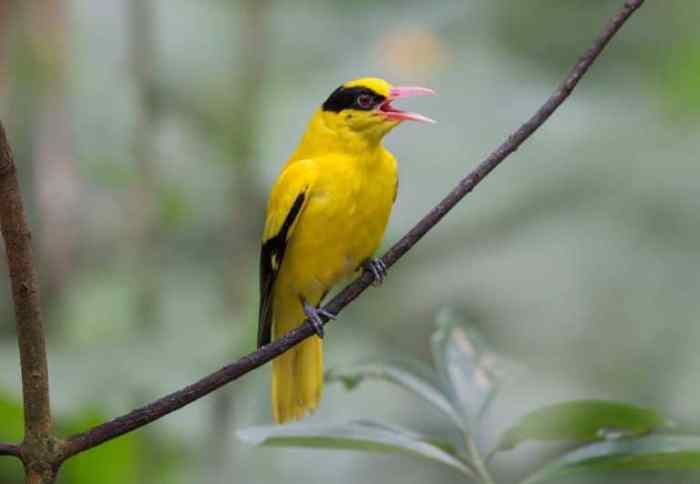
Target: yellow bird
column 325, row 218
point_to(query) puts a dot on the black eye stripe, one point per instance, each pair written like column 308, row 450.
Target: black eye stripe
column 346, row 98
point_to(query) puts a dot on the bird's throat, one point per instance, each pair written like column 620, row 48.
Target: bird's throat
column 326, row 133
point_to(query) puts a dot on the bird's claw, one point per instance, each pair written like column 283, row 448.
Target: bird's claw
column 314, row 314
column 378, row 269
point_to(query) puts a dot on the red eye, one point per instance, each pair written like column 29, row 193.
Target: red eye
column 365, row 101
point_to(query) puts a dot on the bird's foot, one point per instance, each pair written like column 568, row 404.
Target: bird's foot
column 314, row 314
column 378, row 269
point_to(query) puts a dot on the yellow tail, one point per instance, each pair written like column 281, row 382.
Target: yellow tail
column 297, row 375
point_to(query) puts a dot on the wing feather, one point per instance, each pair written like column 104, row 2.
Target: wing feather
column 287, row 201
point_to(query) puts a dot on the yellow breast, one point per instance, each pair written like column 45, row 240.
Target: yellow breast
column 344, row 221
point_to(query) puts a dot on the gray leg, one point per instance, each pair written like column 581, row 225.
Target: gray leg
column 378, row 270
column 315, row 316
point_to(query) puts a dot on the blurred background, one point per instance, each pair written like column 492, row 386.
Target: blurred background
column 148, row 133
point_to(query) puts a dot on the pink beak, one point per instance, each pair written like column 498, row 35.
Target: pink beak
column 399, row 92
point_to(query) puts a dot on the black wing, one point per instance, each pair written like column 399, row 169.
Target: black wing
column 271, row 256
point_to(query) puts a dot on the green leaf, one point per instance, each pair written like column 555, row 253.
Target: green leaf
column 358, row 435
column 417, row 379
column 465, row 368
column 114, row 462
column 681, row 79
column 654, row 452
column 11, row 431
column 174, row 208
column 582, row 420
column 11, row 419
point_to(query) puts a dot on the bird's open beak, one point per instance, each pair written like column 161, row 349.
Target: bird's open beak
column 399, row 92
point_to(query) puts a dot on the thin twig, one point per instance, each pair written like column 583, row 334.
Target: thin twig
column 25, row 294
column 180, row 398
column 10, row 449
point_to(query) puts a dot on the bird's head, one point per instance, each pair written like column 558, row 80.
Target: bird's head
column 363, row 107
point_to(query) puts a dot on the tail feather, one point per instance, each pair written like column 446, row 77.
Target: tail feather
column 297, row 381
column 310, row 361
column 297, row 375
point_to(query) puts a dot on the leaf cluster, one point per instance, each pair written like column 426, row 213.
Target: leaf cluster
column 461, row 385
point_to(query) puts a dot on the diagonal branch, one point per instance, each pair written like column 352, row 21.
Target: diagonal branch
column 25, row 294
column 163, row 406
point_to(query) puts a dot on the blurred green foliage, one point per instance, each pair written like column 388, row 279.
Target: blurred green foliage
column 10, row 432
column 463, row 376
column 116, row 462
column 681, row 76
column 130, row 458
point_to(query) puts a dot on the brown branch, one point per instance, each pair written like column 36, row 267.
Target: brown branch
column 38, row 449
column 10, row 449
column 163, row 406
